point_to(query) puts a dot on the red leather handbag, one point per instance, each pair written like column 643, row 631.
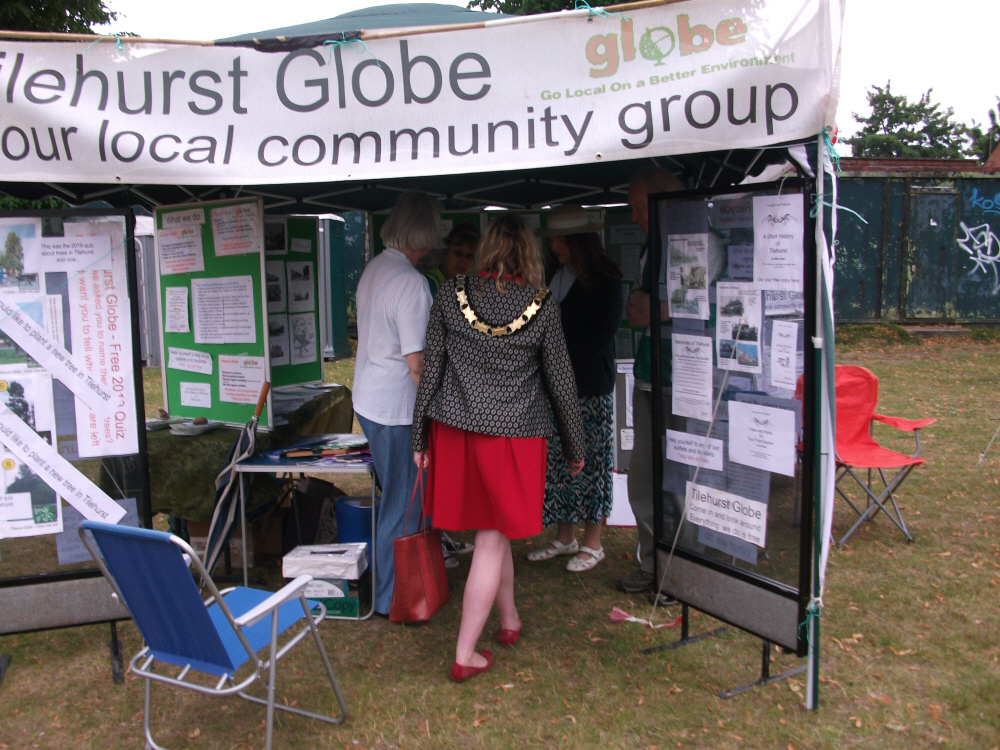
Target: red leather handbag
column 421, row 587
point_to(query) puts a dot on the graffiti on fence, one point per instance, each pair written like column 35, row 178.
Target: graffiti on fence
column 983, row 246
column 989, row 205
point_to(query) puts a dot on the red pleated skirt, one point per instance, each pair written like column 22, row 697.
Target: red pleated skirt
column 480, row 481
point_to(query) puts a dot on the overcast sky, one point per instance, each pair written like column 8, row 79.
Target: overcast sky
column 950, row 47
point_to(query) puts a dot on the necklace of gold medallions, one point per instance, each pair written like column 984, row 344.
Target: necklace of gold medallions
column 496, row 331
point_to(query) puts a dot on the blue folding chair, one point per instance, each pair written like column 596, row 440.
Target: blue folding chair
column 149, row 572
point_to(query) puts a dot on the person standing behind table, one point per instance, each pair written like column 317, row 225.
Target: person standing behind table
column 587, row 286
column 640, row 467
column 459, row 255
column 495, row 363
column 393, row 306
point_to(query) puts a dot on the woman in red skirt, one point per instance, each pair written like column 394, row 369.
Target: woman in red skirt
column 495, row 363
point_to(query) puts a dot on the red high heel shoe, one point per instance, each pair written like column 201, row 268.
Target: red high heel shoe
column 509, row 637
column 461, row 672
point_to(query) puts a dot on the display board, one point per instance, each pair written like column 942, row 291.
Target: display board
column 72, row 427
column 210, row 270
column 625, row 242
column 292, row 289
column 732, row 445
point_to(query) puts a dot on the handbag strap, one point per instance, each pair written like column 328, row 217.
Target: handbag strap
column 420, row 510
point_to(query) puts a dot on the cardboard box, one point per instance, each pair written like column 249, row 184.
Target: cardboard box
column 342, row 598
column 198, row 544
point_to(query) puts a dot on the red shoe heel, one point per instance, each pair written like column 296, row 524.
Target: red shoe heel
column 509, row 637
column 461, row 672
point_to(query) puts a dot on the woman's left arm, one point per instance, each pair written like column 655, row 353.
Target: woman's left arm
column 561, row 384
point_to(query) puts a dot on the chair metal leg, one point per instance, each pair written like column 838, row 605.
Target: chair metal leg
column 150, row 743
column 876, row 504
column 271, row 669
column 326, row 664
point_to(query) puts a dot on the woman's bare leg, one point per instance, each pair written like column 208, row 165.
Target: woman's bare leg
column 509, row 619
column 481, row 590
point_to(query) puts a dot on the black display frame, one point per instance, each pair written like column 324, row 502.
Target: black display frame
column 802, row 595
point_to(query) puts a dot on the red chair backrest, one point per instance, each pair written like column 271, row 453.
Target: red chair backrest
column 857, row 398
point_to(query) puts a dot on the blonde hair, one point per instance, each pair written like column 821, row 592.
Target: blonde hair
column 414, row 223
column 509, row 248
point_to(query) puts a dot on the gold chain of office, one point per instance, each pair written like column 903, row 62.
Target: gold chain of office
column 496, row 331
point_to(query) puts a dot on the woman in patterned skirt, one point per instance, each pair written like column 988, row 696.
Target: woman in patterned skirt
column 588, row 287
column 495, row 367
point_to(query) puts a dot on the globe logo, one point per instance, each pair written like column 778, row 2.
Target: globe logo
column 653, row 45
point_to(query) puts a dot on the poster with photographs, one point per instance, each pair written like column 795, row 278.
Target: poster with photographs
column 687, row 275
column 14, row 235
column 274, row 280
column 277, row 331
column 302, row 338
column 738, row 328
column 301, row 286
column 275, row 236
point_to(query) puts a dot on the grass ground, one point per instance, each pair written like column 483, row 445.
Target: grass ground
column 909, row 634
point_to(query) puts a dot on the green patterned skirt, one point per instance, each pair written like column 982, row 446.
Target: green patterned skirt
column 587, row 497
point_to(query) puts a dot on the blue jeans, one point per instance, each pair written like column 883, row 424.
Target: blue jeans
column 393, row 459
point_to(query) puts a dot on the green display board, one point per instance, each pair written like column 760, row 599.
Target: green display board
column 210, row 274
column 293, row 320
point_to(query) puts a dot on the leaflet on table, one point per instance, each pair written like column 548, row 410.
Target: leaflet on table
column 740, row 261
column 177, row 319
column 726, row 513
column 762, row 437
column 692, row 376
column 302, row 338
column 223, row 310
column 778, row 231
column 189, row 360
column 66, row 254
column 784, row 350
column 70, row 548
column 236, row 229
column 687, row 275
column 240, row 378
column 274, row 285
column 738, row 328
column 101, row 333
column 300, row 287
column 198, row 395
column 180, row 249
column 54, row 470
column 277, row 338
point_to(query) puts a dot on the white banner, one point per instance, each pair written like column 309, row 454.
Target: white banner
column 549, row 90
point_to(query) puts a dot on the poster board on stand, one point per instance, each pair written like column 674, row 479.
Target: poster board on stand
column 213, row 309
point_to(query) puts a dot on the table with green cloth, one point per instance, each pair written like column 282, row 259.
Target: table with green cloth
column 182, row 469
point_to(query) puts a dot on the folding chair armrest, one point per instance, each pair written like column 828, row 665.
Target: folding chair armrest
column 906, row 425
column 291, row 591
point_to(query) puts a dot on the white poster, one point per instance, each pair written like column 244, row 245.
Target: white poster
column 731, row 212
column 68, row 254
column 274, row 285
column 277, row 337
column 101, row 334
column 694, row 450
column 302, row 245
column 19, row 517
column 189, row 360
column 300, row 287
column 302, row 338
column 180, row 249
column 740, row 261
column 726, row 513
column 778, row 230
column 762, row 437
column 784, row 303
column 240, row 379
column 738, row 326
column 177, row 319
column 687, row 275
column 223, row 310
column 198, row 395
column 692, row 376
column 627, row 438
column 236, row 229
column 784, row 348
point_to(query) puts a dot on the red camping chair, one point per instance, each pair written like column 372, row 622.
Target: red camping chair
column 857, row 397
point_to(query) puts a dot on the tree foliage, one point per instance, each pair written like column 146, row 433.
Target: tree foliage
column 984, row 141
column 897, row 127
column 522, row 7
column 72, row 16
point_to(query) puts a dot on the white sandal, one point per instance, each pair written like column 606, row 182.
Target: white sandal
column 555, row 548
column 579, row 565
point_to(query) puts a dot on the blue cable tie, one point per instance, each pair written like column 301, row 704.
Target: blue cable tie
column 331, row 44
column 820, row 201
column 580, row 4
column 118, row 42
column 830, row 150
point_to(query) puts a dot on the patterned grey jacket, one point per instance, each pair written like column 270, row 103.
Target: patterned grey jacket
column 497, row 385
